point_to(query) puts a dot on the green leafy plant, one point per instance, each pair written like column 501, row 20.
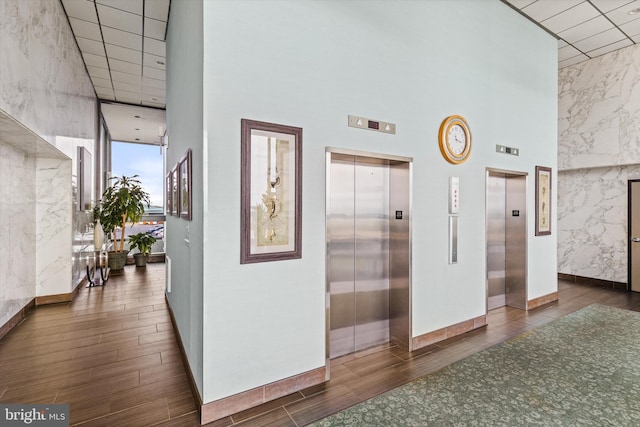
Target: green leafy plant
column 121, row 202
column 142, row 241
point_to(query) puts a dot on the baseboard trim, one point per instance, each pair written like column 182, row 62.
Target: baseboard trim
column 185, row 359
column 540, row 301
column 257, row 396
column 448, row 332
column 16, row 318
column 582, row 280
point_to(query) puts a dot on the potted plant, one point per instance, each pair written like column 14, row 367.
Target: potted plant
column 121, row 202
column 143, row 242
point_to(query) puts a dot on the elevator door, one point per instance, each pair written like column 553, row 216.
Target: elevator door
column 359, row 260
column 634, row 235
column 506, row 240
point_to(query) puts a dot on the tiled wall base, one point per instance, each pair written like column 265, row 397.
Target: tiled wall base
column 544, row 299
column 448, row 332
column 17, row 318
column 259, row 395
column 581, row 280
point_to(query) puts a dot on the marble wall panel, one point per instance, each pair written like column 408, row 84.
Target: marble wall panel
column 53, row 226
column 592, row 222
column 17, row 230
column 599, row 111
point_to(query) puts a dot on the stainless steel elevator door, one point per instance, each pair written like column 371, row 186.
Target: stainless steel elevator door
column 496, row 208
column 358, row 228
column 634, row 235
column 506, row 240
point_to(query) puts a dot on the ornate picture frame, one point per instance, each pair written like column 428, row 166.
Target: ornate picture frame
column 543, row 201
column 168, row 193
column 175, row 194
column 271, row 192
column 185, row 190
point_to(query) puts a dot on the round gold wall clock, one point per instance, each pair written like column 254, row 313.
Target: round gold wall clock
column 454, row 138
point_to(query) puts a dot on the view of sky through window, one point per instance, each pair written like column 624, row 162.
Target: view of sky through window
column 145, row 161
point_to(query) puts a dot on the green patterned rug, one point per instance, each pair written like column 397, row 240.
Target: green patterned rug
column 580, row 370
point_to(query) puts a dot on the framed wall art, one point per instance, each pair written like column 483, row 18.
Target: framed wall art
column 271, row 192
column 543, row 201
column 185, row 186
column 175, row 194
column 168, row 192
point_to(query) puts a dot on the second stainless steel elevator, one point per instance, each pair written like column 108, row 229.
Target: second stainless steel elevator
column 506, row 239
column 368, row 251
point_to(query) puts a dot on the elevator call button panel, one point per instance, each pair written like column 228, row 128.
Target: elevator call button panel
column 454, row 194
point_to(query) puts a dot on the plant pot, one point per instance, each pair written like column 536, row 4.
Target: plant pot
column 117, row 260
column 141, row 260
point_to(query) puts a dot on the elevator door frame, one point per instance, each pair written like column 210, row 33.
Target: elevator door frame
column 514, row 174
column 405, row 299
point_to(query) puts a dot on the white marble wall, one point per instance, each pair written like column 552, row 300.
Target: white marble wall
column 45, row 87
column 599, row 111
column 53, row 226
column 17, row 230
column 598, row 150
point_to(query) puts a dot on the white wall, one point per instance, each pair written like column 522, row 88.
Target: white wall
column 599, row 149
column 310, row 64
column 45, row 87
column 184, row 239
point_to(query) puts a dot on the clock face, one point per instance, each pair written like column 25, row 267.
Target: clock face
column 455, row 139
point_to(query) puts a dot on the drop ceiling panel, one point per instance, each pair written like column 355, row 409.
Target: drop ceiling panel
column 610, row 48
column 95, row 60
column 125, row 67
column 98, row 82
column 567, row 52
column 599, row 40
column 81, row 9
column 152, row 99
column 153, row 73
column 122, row 86
column 631, row 28
column 621, row 15
column 85, row 29
column 160, row 84
column 607, row 5
column 118, row 76
column 586, row 29
column 153, row 91
column 154, row 61
column 133, row 6
column 124, row 54
column 103, row 91
column 119, row 19
column 571, row 17
column 545, row 9
column 127, row 96
column 157, row 9
column 521, row 3
column 154, row 28
column 122, row 38
column 155, row 47
column 572, row 61
column 91, row 46
column 101, row 73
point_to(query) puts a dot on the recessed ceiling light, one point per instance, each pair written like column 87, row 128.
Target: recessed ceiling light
column 137, row 117
column 137, row 128
column 154, row 98
column 634, row 11
column 137, row 139
column 160, row 62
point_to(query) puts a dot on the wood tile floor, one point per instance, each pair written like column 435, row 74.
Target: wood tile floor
column 112, row 355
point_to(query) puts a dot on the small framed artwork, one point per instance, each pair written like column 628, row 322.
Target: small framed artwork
column 175, row 194
column 168, row 192
column 543, row 201
column 185, row 186
column 271, row 192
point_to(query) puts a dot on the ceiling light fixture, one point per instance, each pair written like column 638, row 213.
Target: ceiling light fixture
column 160, row 62
column 137, row 117
column 154, row 98
column 137, row 128
column 137, row 139
column 634, row 11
